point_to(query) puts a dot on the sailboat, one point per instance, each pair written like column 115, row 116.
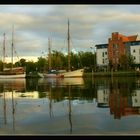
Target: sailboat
column 17, row 72
column 74, row 73
column 51, row 73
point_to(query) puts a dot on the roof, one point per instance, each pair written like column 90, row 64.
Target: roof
column 101, row 46
column 127, row 38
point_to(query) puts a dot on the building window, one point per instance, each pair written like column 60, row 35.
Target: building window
column 136, row 100
column 134, row 51
column 134, row 57
column 103, row 54
column 115, row 46
column 103, row 61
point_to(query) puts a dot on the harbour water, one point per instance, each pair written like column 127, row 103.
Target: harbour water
column 70, row 106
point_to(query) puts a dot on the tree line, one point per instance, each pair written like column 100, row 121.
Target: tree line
column 81, row 59
column 59, row 60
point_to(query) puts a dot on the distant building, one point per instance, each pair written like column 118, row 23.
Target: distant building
column 117, row 46
column 102, row 98
column 136, row 98
column 102, row 54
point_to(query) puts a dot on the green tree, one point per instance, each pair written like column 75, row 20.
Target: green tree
column 1, row 65
column 87, row 59
column 22, row 62
column 41, row 64
column 57, row 59
column 30, row 67
column 126, row 62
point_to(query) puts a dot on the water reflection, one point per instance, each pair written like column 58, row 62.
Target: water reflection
column 13, row 84
column 57, row 103
column 121, row 95
column 70, row 110
column 4, row 108
column 13, row 111
column 50, row 102
column 8, row 88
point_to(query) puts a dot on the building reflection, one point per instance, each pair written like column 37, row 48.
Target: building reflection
column 121, row 98
column 103, row 98
column 124, row 105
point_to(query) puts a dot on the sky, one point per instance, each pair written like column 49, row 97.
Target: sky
column 89, row 25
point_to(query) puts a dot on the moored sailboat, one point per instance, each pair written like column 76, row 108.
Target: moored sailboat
column 74, row 73
column 17, row 72
column 51, row 73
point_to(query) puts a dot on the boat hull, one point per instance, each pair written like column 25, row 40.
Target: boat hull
column 50, row 75
column 12, row 76
column 75, row 73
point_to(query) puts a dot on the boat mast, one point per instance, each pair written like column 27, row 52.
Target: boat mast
column 12, row 46
column 68, row 47
column 49, row 49
column 4, row 52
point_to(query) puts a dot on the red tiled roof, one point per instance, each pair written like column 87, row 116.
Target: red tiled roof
column 128, row 38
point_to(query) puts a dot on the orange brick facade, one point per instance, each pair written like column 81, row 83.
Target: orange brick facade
column 119, row 101
column 119, row 105
column 116, row 46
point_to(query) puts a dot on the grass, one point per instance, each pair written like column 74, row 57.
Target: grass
column 114, row 74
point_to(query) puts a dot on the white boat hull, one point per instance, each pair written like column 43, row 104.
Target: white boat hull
column 12, row 76
column 50, row 75
column 75, row 73
column 40, row 74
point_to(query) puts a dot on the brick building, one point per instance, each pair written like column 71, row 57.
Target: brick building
column 117, row 46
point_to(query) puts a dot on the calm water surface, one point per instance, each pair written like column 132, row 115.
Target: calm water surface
column 70, row 106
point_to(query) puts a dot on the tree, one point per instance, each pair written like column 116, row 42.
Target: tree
column 30, row 67
column 22, row 62
column 87, row 59
column 41, row 64
column 126, row 62
column 1, row 65
column 57, row 59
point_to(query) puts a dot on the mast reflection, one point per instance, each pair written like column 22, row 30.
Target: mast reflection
column 50, row 101
column 13, row 111
column 70, row 110
column 9, row 88
column 4, row 109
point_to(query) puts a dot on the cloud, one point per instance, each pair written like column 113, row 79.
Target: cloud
column 89, row 24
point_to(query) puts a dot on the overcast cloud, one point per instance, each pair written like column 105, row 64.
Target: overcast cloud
column 89, row 25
